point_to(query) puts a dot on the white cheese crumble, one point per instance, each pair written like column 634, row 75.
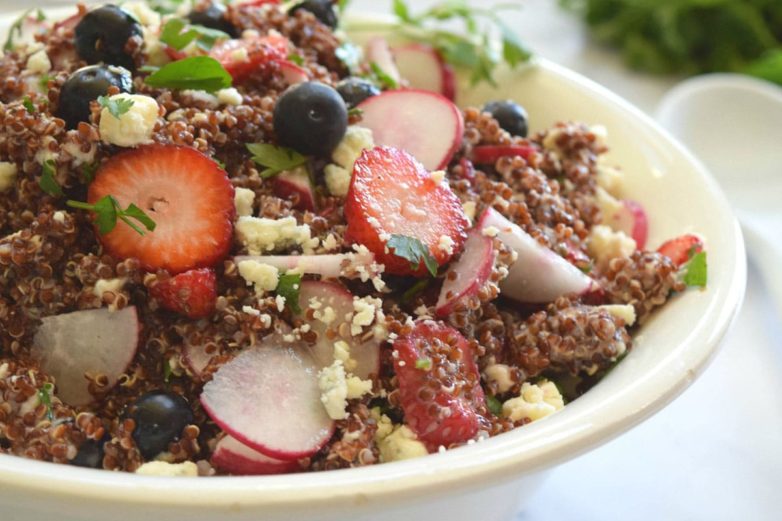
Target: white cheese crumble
column 610, row 179
column 535, row 401
column 364, row 310
column 45, row 152
column 357, row 387
column 342, row 353
column 164, row 469
column 240, row 55
column 132, row 128
column 260, row 234
column 202, row 96
column 490, row 231
column 339, row 173
column 229, row 96
column 469, row 210
column 279, row 300
column 263, row 277
column 332, row 382
column 500, row 376
column 59, row 216
column 39, row 63
column 108, row 285
column 79, row 156
column 609, row 206
column 243, row 201
column 624, row 311
column 401, row 444
column 7, row 175
column 438, row 176
column 445, row 244
column 605, row 244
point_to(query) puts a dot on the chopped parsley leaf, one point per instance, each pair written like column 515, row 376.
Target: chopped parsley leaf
column 288, row 287
column 494, row 405
column 696, row 270
column 47, row 182
column 413, row 250
column 107, row 210
column 116, row 106
column 275, row 159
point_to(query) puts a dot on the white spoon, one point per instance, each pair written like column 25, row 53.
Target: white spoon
column 734, row 124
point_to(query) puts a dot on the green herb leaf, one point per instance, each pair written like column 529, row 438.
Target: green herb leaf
column 494, row 405
column 47, row 181
column 167, row 371
column 424, row 364
column 288, row 287
column 413, row 250
column 197, row 72
column 45, row 397
column 402, row 11
column 165, row 6
column 296, row 58
column 16, row 27
column 117, row 106
column 43, row 82
column 275, row 159
column 768, row 66
column 107, row 210
column 415, row 290
column 88, row 172
column 27, row 103
column 342, row 5
column 350, row 56
column 382, row 77
column 696, row 270
column 204, row 37
column 355, row 112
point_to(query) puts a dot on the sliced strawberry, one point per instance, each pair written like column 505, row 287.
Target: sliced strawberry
column 192, row 293
column 392, row 194
column 244, row 57
column 489, row 154
column 188, row 196
column 439, row 384
column 681, row 248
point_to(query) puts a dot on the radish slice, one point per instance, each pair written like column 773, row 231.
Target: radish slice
column 424, row 68
column 236, row 458
column 328, row 266
column 196, row 358
column 292, row 73
column 489, row 154
column 268, row 399
column 468, row 274
column 331, row 295
column 539, row 275
column 631, row 219
column 296, row 184
column 379, row 53
column 96, row 341
column 425, row 124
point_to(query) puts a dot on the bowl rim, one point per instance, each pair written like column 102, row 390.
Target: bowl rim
column 495, row 460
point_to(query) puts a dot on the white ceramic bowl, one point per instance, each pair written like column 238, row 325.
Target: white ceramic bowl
column 489, row 480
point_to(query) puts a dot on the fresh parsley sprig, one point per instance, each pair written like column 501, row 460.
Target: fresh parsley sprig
column 696, row 269
column 28, row 105
column 45, row 397
column 117, row 106
column 381, row 78
column 16, row 27
column 288, row 287
column 196, row 72
column 494, row 405
column 47, row 181
column 275, row 159
column 178, row 34
column 107, row 210
column 413, row 250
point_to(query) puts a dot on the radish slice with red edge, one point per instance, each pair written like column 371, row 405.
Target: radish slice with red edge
column 489, row 154
column 632, row 220
column 96, row 341
column 234, row 457
column 379, row 53
column 468, row 274
column 295, row 184
column 424, row 68
column 293, row 74
column 425, row 124
column 268, row 399
column 539, row 275
column 328, row 266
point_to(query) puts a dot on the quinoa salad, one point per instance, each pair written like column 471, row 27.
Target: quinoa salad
column 234, row 242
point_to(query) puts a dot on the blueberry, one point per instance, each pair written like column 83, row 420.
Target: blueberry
column 311, row 118
column 103, row 33
column 84, row 86
column 90, row 455
column 160, row 417
column 355, row 90
column 511, row 116
column 322, row 9
column 213, row 17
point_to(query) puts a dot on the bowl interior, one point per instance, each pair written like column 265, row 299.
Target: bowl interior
column 669, row 352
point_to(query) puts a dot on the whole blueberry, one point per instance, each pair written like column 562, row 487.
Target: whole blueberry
column 90, row 455
column 213, row 17
column 510, row 115
column 160, row 417
column 355, row 90
column 322, row 9
column 103, row 33
column 84, row 86
column 311, row 118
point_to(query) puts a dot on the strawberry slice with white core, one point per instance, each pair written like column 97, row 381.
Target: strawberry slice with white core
column 539, row 275
column 94, row 341
column 333, row 304
column 632, row 220
column 680, row 249
column 379, row 53
column 424, row 68
column 489, row 154
column 234, row 457
column 425, row 124
column 328, row 266
column 392, row 194
column 268, row 399
column 186, row 194
column 241, row 58
column 295, row 185
column 468, row 274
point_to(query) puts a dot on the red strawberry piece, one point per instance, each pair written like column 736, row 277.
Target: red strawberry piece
column 439, row 384
column 243, row 57
column 192, row 293
column 392, row 194
column 188, row 196
column 489, row 154
column 681, row 248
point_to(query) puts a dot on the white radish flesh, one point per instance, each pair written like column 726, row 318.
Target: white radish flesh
column 466, row 276
column 328, row 266
column 95, row 341
column 423, row 67
column 234, row 457
column 293, row 74
column 379, row 53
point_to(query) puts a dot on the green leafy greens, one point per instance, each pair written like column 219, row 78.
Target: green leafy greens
column 47, row 181
column 28, row 105
column 413, row 250
column 288, row 287
column 690, row 36
column 178, row 34
column 45, row 397
column 116, row 106
column 196, row 72
column 275, row 159
column 107, row 210
column 494, row 405
column 696, row 270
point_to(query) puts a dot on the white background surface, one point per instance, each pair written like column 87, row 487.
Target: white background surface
column 716, row 452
